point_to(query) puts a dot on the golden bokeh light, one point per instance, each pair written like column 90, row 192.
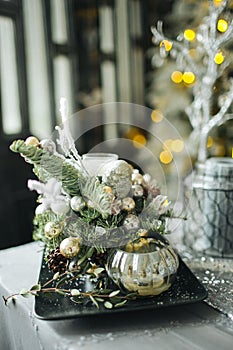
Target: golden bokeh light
column 139, row 141
column 131, row 132
column 177, row 146
column 217, row 3
column 167, row 145
column 210, row 142
column 165, row 157
column 189, row 34
column 188, row 77
column 222, row 25
column 219, row 58
column 156, row 116
column 167, row 44
column 177, row 77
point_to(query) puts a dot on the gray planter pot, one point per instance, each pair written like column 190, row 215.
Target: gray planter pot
column 208, row 196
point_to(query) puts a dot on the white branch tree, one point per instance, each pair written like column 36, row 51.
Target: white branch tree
column 210, row 44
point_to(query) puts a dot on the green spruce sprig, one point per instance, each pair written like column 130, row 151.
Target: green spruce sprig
column 93, row 191
column 53, row 165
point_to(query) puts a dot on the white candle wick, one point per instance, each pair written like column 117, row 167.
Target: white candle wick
column 64, row 109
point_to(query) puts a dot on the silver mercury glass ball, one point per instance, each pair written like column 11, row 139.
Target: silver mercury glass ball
column 128, row 204
column 70, row 247
column 48, row 145
column 150, row 269
column 117, row 175
column 137, row 190
column 131, row 222
column 77, row 203
column 52, row 229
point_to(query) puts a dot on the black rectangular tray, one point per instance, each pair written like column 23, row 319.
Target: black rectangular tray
column 186, row 289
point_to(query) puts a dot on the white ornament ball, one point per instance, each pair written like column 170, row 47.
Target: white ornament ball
column 77, row 203
column 40, row 209
column 48, row 145
column 52, row 229
column 70, row 247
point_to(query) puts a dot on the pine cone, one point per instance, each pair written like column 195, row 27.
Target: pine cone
column 57, row 262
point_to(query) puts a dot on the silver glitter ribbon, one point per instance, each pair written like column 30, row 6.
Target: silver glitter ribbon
column 217, row 277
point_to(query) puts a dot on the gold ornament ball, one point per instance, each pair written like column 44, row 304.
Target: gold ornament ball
column 70, row 247
column 137, row 179
column 142, row 232
column 107, row 189
column 32, row 141
column 52, row 230
column 128, row 204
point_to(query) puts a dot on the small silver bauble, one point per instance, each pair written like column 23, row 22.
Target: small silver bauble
column 131, row 222
column 146, row 178
column 70, row 247
column 40, row 209
column 48, row 146
column 77, row 203
column 137, row 179
column 137, row 190
column 128, row 204
column 52, row 229
column 73, row 265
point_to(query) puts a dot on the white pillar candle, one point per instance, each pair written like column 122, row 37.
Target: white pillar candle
column 94, row 161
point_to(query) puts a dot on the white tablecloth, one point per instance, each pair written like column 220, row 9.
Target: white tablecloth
column 194, row 326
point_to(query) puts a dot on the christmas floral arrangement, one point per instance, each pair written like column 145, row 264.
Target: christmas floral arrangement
column 83, row 219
